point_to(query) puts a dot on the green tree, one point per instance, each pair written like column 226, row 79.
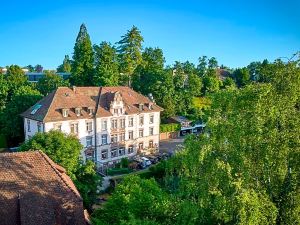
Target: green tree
column 3, row 91
column 38, row 68
column 12, row 123
column 65, row 67
column 83, row 59
column 135, row 199
column 147, row 75
column 241, row 76
column 202, row 66
column 130, row 53
column 229, row 83
column 211, row 84
column 50, row 82
column 107, row 68
column 16, row 78
column 87, row 182
column 62, row 148
column 194, row 85
column 30, row 68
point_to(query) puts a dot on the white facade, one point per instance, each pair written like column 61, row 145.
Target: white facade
column 107, row 139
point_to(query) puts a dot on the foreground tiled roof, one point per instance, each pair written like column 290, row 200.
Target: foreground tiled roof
column 97, row 98
column 35, row 190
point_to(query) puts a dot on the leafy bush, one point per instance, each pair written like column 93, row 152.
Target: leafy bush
column 124, row 163
column 169, row 127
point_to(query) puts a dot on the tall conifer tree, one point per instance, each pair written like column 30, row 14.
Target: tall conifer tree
column 82, row 64
column 130, row 53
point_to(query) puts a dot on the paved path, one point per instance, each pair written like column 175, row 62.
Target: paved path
column 170, row 145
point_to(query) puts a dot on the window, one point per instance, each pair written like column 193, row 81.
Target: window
column 114, row 153
column 77, row 111
column 150, row 144
column 122, row 137
column 90, row 111
column 28, row 125
column 151, row 119
column 141, row 106
column 130, row 124
column 89, row 140
column 141, row 146
column 121, row 111
column 130, row 135
column 121, row 151
column 115, row 111
column 65, row 112
column 141, row 120
column 104, row 139
column 57, row 126
column 114, row 124
column 151, row 131
column 104, row 154
column 114, row 138
column 141, row 133
column 89, row 126
column 74, row 128
column 39, row 127
column 89, row 154
column 122, row 123
column 104, row 125
column 130, row 149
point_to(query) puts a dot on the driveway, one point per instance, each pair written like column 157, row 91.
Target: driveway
column 170, row 145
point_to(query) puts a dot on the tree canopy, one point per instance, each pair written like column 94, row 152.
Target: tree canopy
column 83, row 59
column 49, row 82
column 106, row 65
column 243, row 170
column 130, row 53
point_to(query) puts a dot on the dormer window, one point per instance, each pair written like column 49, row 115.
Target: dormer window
column 90, row 111
column 150, row 105
column 65, row 112
column 141, row 106
column 78, row 111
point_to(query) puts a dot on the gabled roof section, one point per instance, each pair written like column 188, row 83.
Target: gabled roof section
column 131, row 99
column 65, row 98
column 96, row 98
column 35, row 190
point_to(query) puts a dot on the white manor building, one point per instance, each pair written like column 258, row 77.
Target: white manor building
column 110, row 122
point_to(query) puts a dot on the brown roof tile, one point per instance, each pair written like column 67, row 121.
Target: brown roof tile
column 98, row 98
column 35, row 190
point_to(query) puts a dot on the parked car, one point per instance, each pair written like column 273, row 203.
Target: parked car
column 146, row 161
column 153, row 159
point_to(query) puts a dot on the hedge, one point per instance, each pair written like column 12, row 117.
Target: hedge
column 169, row 127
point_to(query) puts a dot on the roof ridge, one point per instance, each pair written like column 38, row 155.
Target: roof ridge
column 54, row 94
column 50, row 162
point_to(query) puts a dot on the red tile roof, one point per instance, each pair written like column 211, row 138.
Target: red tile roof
column 98, row 98
column 35, row 190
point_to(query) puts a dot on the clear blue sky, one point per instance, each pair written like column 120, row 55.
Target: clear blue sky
column 235, row 32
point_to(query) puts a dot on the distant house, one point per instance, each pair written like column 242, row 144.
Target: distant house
column 35, row 76
column 110, row 122
column 34, row 190
column 187, row 126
